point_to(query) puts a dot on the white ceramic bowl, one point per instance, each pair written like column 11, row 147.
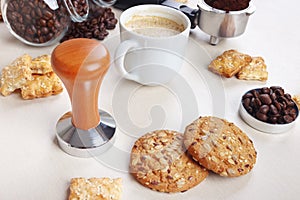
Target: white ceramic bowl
column 264, row 126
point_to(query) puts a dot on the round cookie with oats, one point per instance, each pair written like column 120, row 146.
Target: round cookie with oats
column 220, row 146
column 158, row 161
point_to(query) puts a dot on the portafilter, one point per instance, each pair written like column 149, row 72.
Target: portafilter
column 215, row 22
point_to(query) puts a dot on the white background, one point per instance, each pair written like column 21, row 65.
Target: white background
column 33, row 167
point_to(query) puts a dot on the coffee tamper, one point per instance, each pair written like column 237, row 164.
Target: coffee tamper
column 81, row 64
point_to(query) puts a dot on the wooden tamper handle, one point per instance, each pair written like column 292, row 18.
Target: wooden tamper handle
column 81, row 65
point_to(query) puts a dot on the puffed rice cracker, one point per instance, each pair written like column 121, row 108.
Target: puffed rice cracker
column 181, row 1
column 296, row 98
column 14, row 76
column 229, row 63
column 95, row 189
column 256, row 70
column 42, row 86
column 41, row 65
column 35, row 77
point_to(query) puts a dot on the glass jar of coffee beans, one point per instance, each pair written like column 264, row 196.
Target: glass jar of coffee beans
column 42, row 22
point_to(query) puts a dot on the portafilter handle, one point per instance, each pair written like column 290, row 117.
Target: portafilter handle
column 191, row 13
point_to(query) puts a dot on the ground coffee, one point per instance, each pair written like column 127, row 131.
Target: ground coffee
column 228, row 5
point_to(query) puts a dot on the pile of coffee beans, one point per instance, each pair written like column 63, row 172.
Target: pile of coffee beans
column 228, row 5
column 35, row 21
column 100, row 20
column 270, row 105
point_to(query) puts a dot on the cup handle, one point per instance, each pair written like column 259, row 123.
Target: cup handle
column 119, row 58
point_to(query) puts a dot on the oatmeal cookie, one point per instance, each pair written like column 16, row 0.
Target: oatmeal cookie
column 159, row 162
column 220, row 146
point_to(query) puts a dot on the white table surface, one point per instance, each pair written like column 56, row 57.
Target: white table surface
column 32, row 166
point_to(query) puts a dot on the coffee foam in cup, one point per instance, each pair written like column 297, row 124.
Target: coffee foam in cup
column 154, row 26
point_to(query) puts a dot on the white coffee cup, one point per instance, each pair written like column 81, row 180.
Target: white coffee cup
column 151, row 59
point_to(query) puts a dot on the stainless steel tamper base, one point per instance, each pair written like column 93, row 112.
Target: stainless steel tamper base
column 85, row 143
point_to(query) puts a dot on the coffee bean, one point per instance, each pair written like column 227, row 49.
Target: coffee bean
column 265, row 99
column 42, row 22
column 291, row 103
column 15, row 5
column 250, row 110
column 50, row 23
column 273, row 88
column 265, row 90
column 47, row 14
column 257, row 103
column 280, row 120
column 38, row 12
column 273, row 110
column 285, row 112
column 29, row 31
column 294, row 116
column 293, row 111
column 255, row 93
column 246, row 102
column 39, row 32
column 252, row 103
column 288, row 96
column 264, row 109
column 273, row 119
column 111, row 24
column 273, row 96
column 40, row 4
column 283, row 105
column 10, row 7
column 45, row 30
column 27, row 17
column 26, row 10
column 288, row 118
column 248, row 95
column 21, row 19
column 277, row 105
column 262, row 117
column 279, row 92
column 58, row 24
